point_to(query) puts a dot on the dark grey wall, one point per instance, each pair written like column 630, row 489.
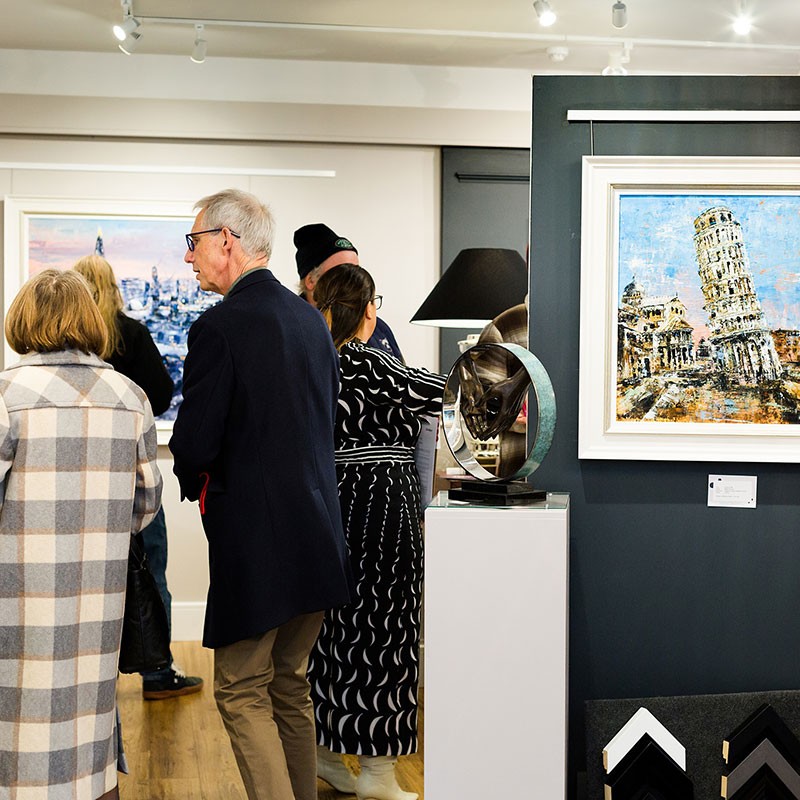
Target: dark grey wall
column 485, row 195
column 667, row 596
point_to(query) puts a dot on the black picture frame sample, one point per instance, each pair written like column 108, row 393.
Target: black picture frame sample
column 765, row 755
column 647, row 770
column 764, row 785
column 763, row 723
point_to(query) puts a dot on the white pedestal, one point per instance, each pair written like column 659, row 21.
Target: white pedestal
column 496, row 583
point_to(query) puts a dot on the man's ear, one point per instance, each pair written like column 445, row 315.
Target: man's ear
column 309, row 283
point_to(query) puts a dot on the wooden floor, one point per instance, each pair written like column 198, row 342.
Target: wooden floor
column 178, row 750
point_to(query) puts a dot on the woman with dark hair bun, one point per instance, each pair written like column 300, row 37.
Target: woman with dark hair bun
column 364, row 669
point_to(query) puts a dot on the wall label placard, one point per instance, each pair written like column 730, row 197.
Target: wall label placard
column 732, row 491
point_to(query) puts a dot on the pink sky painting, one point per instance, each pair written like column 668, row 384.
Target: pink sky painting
column 133, row 245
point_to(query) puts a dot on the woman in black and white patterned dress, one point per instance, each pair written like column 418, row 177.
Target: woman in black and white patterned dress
column 364, row 669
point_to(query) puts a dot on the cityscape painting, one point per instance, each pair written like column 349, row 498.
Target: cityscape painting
column 690, row 308
column 146, row 253
column 708, row 307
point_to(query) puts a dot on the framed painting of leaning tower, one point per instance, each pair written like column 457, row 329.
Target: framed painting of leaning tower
column 690, row 309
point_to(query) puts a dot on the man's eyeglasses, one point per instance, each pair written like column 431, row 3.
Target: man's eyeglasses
column 378, row 300
column 191, row 238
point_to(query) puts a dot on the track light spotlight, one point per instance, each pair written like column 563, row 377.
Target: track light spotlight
column 128, row 25
column 743, row 23
column 619, row 14
column 546, row 14
column 131, row 43
column 557, row 54
column 616, row 59
column 200, row 45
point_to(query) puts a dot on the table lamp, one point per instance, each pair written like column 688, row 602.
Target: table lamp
column 481, row 283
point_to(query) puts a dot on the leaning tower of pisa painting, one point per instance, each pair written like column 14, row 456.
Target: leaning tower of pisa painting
column 740, row 334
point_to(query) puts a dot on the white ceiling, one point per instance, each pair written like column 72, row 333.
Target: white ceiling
column 667, row 36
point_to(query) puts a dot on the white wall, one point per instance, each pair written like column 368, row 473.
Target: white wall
column 251, row 80
column 110, row 94
column 105, row 126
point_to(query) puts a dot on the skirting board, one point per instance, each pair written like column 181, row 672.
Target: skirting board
column 187, row 621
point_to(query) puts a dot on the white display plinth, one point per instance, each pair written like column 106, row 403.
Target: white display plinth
column 496, row 583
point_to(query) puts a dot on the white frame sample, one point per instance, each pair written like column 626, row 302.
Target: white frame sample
column 641, row 723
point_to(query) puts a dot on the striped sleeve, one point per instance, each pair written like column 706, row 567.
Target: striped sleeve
column 416, row 389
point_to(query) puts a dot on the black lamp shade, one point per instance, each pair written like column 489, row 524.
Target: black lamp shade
column 481, row 283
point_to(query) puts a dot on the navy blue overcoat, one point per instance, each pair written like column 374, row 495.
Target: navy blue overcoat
column 253, row 443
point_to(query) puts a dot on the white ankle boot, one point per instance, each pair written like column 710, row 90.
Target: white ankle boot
column 377, row 780
column 333, row 770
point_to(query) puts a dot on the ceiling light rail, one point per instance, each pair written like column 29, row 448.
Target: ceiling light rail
column 461, row 34
column 520, row 36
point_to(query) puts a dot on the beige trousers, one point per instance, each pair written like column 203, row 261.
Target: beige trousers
column 262, row 694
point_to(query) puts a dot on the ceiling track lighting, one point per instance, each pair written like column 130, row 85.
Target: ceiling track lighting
column 126, row 28
column 557, row 54
column 619, row 14
column 129, row 36
column 129, row 23
column 130, row 43
column 743, row 22
column 546, row 15
column 200, row 44
column 617, row 59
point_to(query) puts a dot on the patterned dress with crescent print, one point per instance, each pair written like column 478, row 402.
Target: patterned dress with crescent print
column 364, row 669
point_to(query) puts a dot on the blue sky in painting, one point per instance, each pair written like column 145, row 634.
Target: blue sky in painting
column 133, row 245
column 656, row 245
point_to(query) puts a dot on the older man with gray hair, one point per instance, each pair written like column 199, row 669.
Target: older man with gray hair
column 253, row 444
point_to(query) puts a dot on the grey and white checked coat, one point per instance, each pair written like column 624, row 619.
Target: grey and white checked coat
column 78, row 474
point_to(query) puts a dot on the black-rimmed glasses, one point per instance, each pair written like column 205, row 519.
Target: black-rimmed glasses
column 378, row 300
column 191, row 238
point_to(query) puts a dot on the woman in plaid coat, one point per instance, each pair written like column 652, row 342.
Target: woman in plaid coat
column 78, row 474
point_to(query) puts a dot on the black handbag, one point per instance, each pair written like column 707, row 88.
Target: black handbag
column 145, row 629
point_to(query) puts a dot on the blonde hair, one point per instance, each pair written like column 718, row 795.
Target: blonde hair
column 103, row 285
column 54, row 311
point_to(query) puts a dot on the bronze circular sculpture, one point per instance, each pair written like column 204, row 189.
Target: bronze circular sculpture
column 486, row 394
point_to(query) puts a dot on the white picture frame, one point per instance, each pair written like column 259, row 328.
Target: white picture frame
column 607, row 183
column 137, row 232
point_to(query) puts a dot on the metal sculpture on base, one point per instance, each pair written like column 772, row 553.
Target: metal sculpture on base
column 489, row 395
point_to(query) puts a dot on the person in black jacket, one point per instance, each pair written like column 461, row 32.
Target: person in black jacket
column 132, row 352
column 253, row 444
